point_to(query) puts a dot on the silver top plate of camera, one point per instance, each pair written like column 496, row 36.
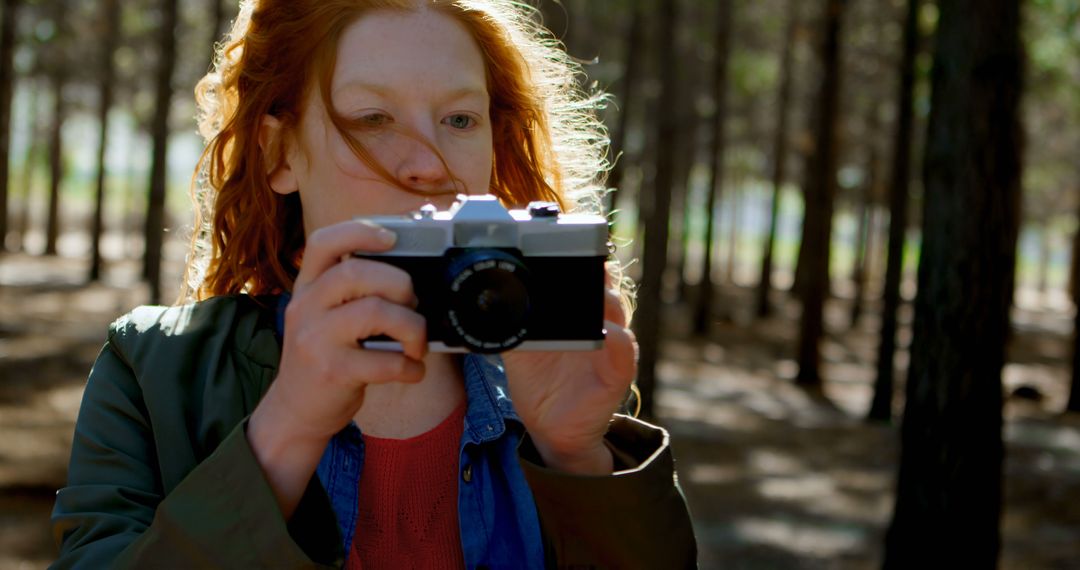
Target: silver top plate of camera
column 482, row 221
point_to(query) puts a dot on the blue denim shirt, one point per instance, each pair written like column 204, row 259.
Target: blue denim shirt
column 497, row 515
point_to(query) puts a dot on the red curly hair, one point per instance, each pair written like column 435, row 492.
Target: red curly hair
column 548, row 144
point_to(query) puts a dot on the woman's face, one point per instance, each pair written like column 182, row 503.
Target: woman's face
column 419, row 72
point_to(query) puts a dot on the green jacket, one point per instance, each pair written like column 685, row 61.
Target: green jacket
column 161, row 473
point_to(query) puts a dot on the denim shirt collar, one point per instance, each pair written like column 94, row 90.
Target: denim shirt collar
column 489, row 408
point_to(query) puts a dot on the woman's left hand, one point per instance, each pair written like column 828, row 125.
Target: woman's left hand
column 567, row 399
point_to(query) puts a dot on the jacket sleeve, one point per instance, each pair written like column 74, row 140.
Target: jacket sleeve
column 115, row 513
column 636, row 518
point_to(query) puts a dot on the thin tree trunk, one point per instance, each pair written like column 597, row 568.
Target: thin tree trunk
column 687, row 153
column 131, row 184
column 873, row 239
column 817, row 225
column 949, row 490
column 881, row 406
column 656, row 210
column 862, row 246
column 111, row 14
column 26, row 175
column 155, row 211
column 735, row 202
column 56, row 164
column 7, row 82
column 1074, row 266
column 1044, row 259
column 780, row 151
column 634, row 49
column 1073, row 404
column 681, row 206
column 717, row 153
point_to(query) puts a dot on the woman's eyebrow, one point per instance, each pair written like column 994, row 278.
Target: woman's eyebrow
column 452, row 94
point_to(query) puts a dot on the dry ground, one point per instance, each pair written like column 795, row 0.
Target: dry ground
column 776, row 478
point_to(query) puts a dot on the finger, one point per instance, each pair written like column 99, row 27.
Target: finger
column 354, row 279
column 620, row 356
column 380, row 367
column 614, row 309
column 326, row 246
column 373, row 316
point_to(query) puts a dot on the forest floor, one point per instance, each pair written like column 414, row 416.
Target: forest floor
column 776, row 477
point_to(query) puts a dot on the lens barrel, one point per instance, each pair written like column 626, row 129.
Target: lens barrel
column 488, row 304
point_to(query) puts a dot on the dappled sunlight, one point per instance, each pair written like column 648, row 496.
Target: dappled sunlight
column 772, row 462
column 809, row 539
column 1050, row 437
column 800, row 488
column 751, row 395
column 705, row 474
column 37, row 437
column 1051, row 382
column 774, row 470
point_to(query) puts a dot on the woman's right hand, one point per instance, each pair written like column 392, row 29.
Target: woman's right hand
column 336, row 300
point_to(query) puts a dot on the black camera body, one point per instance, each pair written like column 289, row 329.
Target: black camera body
column 490, row 280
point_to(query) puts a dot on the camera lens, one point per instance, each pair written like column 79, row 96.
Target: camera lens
column 489, row 299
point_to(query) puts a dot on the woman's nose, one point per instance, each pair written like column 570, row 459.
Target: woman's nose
column 421, row 167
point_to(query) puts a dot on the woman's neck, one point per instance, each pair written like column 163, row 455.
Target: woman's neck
column 399, row 411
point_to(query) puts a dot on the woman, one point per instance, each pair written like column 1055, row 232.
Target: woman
column 250, row 429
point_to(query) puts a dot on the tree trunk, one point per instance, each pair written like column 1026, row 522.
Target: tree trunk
column 1044, row 258
column 681, row 204
column 949, row 491
column 817, row 224
column 634, row 49
column 881, row 406
column 685, row 152
column 111, row 15
column 56, row 163
column 735, row 197
column 1074, row 265
column 155, row 211
column 656, row 210
column 7, row 82
column 780, row 151
column 862, row 246
column 26, row 175
column 717, row 152
column 686, row 155
column 1073, row 404
column 131, row 192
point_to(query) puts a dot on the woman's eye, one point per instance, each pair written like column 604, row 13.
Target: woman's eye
column 460, row 121
column 374, row 120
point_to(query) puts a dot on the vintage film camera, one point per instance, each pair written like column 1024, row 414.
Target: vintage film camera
column 491, row 280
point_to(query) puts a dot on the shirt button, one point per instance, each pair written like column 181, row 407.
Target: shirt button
column 466, row 474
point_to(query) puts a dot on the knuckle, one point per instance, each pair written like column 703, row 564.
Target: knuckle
column 318, row 238
column 398, row 367
column 355, row 270
column 292, row 312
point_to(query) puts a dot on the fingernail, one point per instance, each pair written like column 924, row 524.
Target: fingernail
column 386, row 237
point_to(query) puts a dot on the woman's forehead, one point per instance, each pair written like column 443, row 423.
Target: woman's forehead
column 398, row 52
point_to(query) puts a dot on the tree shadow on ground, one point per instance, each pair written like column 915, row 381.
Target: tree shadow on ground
column 779, row 477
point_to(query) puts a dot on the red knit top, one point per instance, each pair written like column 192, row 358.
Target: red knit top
column 408, row 515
